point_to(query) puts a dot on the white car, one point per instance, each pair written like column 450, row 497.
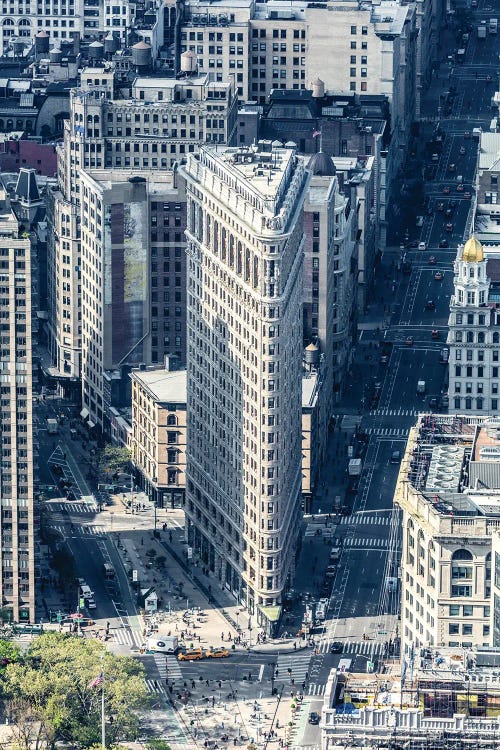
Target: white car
column 422, row 246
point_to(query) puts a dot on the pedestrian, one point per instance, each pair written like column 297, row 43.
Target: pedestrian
column 295, row 646
column 207, row 682
column 193, row 684
column 213, row 701
column 222, row 636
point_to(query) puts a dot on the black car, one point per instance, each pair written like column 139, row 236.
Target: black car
column 430, row 305
column 314, row 717
column 337, row 647
column 444, row 243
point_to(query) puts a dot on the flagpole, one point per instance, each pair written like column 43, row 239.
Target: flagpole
column 103, row 723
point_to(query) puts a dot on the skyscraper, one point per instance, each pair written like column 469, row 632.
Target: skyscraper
column 17, row 581
column 244, row 337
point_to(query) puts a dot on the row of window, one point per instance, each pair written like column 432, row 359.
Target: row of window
column 481, row 403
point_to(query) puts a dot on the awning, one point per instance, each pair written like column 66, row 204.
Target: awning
column 84, row 413
column 272, row 614
column 90, row 424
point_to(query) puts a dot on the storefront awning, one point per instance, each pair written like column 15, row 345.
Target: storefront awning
column 272, row 614
column 84, row 413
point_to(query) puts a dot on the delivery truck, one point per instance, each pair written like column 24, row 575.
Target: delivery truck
column 481, row 32
column 493, row 25
column 165, row 644
column 52, row 426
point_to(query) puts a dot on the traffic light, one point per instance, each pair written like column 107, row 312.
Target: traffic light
column 81, row 602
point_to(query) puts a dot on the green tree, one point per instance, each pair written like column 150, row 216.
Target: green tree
column 113, row 460
column 157, row 744
column 9, row 652
column 54, row 682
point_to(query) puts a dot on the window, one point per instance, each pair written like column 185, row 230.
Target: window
column 453, row 628
column 467, row 629
column 171, row 437
column 465, row 591
column 454, row 610
column 461, row 573
column 462, row 554
column 468, row 610
column 354, row 30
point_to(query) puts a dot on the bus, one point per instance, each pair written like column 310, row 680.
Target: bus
column 109, row 571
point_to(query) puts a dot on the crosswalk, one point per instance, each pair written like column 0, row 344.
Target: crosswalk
column 386, row 411
column 361, row 648
column 74, row 507
column 394, row 432
column 155, row 686
column 167, row 666
column 367, row 519
column 89, row 530
column 316, row 688
column 298, row 663
column 363, row 542
column 127, row 637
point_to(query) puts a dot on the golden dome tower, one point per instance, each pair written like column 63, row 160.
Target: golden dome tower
column 473, row 251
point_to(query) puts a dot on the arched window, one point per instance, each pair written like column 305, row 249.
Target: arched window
column 171, row 419
column 480, row 337
column 462, row 554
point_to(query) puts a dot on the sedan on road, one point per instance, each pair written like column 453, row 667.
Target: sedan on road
column 314, row 717
column 430, row 305
column 438, row 276
column 337, row 647
column 409, row 341
column 443, row 243
column 432, row 260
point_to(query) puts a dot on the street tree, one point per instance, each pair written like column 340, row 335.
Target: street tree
column 114, row 460
column 60, row 682
column 9, row 652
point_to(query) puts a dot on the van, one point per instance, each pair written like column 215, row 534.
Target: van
column 420, row 221
column 109, row 571
column 395, row 457
column 87, row 592
column 444, row 355
column 421, row 388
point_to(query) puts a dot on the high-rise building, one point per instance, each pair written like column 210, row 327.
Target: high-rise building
column 163, row 121
column 17, row 521
column 132, row 279
column 474, row 332
column 244, row 317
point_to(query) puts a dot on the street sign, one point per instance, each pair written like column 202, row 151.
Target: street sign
column 134, row 576
column 189, row 553
column 382, row 632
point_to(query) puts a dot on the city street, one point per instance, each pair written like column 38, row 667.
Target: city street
column 362, row 610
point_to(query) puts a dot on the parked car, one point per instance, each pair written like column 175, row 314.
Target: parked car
column 314, row 717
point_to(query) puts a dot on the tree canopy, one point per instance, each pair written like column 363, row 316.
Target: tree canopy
column 53, row 687
column 114, row 459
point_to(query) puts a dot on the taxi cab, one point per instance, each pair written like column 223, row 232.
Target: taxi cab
column 217, row 653
column 194, row 654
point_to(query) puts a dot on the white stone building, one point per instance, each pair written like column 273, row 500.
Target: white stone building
column 245, row 243
column 449, row 492
column 474, row 333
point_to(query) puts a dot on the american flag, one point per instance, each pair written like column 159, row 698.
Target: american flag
column 316, row 133
column 96, row 681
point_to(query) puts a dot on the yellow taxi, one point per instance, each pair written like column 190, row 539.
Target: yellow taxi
column 192, row 655
column 217, row 653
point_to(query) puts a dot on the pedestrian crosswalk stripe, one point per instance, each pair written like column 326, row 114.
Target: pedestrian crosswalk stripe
column 126, row 637
column 365, row 542
column 154, row 686
column 297, row 662
column 388, row 412
column 167, row 666
column 365, row 518
column 387, row 431
column 315, row 689
column 363, row 648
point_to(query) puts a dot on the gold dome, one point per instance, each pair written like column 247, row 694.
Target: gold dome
column 473, row 251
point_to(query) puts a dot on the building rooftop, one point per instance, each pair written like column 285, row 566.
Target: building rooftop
column 489, row 151
column 163, row 385
column 453, row 465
